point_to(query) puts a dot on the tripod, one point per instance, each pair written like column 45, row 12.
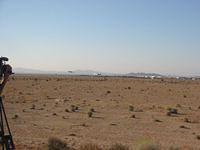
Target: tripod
column 6, row 141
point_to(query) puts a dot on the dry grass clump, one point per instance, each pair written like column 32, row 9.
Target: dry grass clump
column 119, row 147
column 108, row 92
column 92, row 110
column 150, row 147
column 198, row 137
column 174, row 148
column 147, row 144
column 90, row 147
column 90, row 113
column 74, row 108
column 57, row 144
column 131, row 108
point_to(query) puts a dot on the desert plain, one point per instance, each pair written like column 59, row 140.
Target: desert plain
column 103, row 111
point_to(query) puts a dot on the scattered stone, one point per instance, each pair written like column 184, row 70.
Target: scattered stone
column 172, row 111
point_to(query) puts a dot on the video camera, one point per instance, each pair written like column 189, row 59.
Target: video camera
column 4, row 67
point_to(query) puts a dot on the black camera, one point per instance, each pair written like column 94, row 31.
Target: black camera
column 4, row 66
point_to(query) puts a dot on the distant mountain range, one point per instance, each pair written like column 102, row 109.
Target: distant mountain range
column 141, row 74
column 82, row 72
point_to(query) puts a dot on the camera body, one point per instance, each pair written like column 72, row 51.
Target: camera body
column 4, row 67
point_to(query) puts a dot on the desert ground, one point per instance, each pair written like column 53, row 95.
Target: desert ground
column 103, row 111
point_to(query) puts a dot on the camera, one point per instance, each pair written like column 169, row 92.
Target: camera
column 4, row 67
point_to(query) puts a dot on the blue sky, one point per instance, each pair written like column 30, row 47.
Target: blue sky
column 118, row 36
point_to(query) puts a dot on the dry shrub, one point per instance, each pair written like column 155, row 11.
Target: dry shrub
column 147, row 144
column 150, row 147
column 57, row 144
column 119, row 147
column 174, row 148
column 90, row 147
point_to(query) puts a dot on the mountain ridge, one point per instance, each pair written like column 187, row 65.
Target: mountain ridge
column 19, row 70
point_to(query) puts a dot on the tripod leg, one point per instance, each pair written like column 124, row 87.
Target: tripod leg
column 7, row 141
column 1, row 124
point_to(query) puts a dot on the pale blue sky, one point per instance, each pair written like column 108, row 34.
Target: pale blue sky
column 119, row 36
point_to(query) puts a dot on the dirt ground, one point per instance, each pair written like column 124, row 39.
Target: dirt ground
column 129, row 111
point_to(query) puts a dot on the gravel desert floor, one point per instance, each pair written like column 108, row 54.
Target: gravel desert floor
column 103, row 111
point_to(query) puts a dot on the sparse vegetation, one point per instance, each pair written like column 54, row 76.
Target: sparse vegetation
column 119, row 147
column 108, row 92
column 66, row 110
column 15, row 116
column 57, row 144
column 174, row 148
column 92, row 110
column 150, row 146
column 198, row 137
column 131, row 108
column 73, row 108
column 133, row 116
column 33, row 106
column 187, row 120
column 90, row 114
column 126, row 115
column 90, row 147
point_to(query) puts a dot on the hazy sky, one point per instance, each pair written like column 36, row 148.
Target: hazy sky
column 119, row 36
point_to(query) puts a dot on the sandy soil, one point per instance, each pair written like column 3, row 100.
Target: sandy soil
column 39, row 107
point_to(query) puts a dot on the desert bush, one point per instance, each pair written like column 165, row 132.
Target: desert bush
column 119, row 147
column 131, row 108
column 108, row 92
column 187, row 120
column 147, row 144
column 15, row 116
column 150, row 147
column 33, row 106
column 92, row 110
column 174, row 148
column 133, row 116
column 73, row 108
column 57, row 144
column 90, row 147
column 90, row 114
